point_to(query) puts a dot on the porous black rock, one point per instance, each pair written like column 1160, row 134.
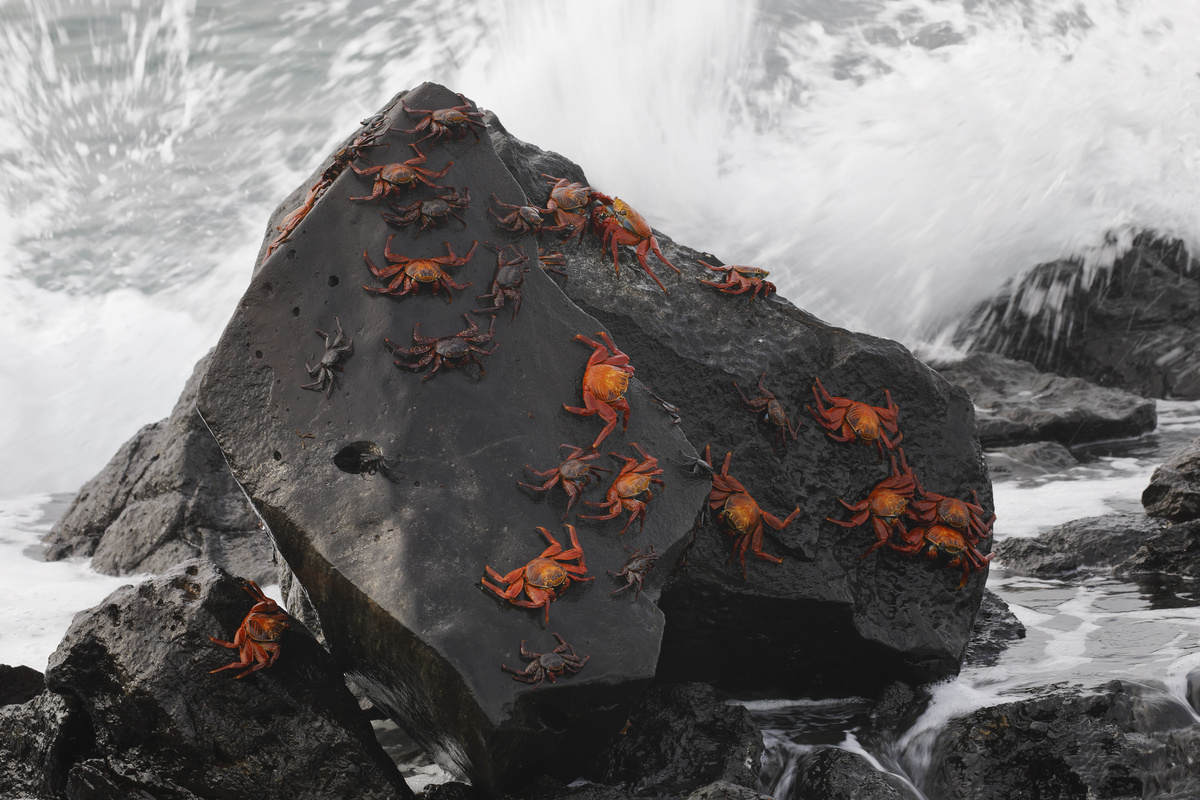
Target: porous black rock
column 388, row 492
column 996, row 627
column 1121, row 740
column 680, row 738
column 166, row 496
column 1016, row 402
column 1174, row 490
column 835, row 774
column 137, row 667
column 1131, row 325
column 40, row 739
column 825, row 622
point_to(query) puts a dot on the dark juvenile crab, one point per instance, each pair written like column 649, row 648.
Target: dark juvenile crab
column 575, row 474
column 408, row 274
column 367, row 458
column 395, row 178
column 446, row 123
column 561, row 659
column 434, row 211
column 523, row 219
column 635, row 569
column 772, row 412
column 739, row 279
column 337, row 347
column 454, row 350
column 510, row 275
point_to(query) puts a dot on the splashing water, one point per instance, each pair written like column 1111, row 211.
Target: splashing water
column 891, row 163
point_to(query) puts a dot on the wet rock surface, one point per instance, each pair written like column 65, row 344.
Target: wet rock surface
column 1033, row 460
column 826, row 621
column 1016, row 403
column 1174, row 490
column 40, row 739
column 679, row 739
column 833, row 774
column 133, row 707
column 165, row 497
column 1132, row 326
column 407, row 487
column 1119, row 741
column 995, row 628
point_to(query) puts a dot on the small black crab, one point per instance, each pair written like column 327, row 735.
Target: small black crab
column 337, row 347
column 455, row 350
column 510, row 276
column 561, row 659
column 635, row 569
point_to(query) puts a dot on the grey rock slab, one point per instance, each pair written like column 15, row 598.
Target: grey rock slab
column 826, row 621
column 138, row 667
column 165, row 497
column 392, row 561
column 1174, row 490
column 1017, row 403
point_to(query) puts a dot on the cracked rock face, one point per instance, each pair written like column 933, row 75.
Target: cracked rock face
column 389, row 493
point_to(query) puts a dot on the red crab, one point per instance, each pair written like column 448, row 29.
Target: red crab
column 447, row 123
column 410, row 273
column 604, row 383
column 635, row 569
column 257, row 638
column 740, row 515
column 619, row 223
column 569, row 204
column 523, row 219
column 740, row 279
column 936, row 509
column 395, row 178
column 454, row 350
column 544, row 578
column 574, row 472
column 772, row 412
column 847, row 420
column 942, row 540
column 510, row 276
column 632, row 482
column 550, row 665
column 549, row 259
column 885, row 505
column 434, row 211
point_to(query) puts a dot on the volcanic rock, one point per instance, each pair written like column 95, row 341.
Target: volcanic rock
column 680, row 739
column 407, row 487
column 835, row 774
column 1174, row 490
column 165, row 497
column 39, row 741
column 1015, row 403
column 1132, row 325
column 1119, row 741
column 995, row 628
column 136, row 669
column 825, row 622
column 20, row 684
column 1033, row 460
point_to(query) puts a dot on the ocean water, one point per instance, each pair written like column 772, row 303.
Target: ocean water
column 890, row 161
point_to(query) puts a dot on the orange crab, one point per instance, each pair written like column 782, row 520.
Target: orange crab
column 936, row 509
column 847, row 420
column 575, row 473
column 617, row 222
column 740, row 279
column 544, row 578
column 257, row 638
column 772, row 412
column 410, row 273
column 885, row 505
column 943, row 540
column 395, row 178
column 740, row 515
column 569, row 203
column 604, row 383
column 632, row 482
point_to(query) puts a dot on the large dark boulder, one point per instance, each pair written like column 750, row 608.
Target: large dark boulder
column 1120, row 741
column 165, row 497
column 1016, row 403
column 139, row 710
column 826, row 621
column 1174, row 490
column 835, row 774
column 1132, row 325
column 391, row 552
column 681, row 738
column 40, row 739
